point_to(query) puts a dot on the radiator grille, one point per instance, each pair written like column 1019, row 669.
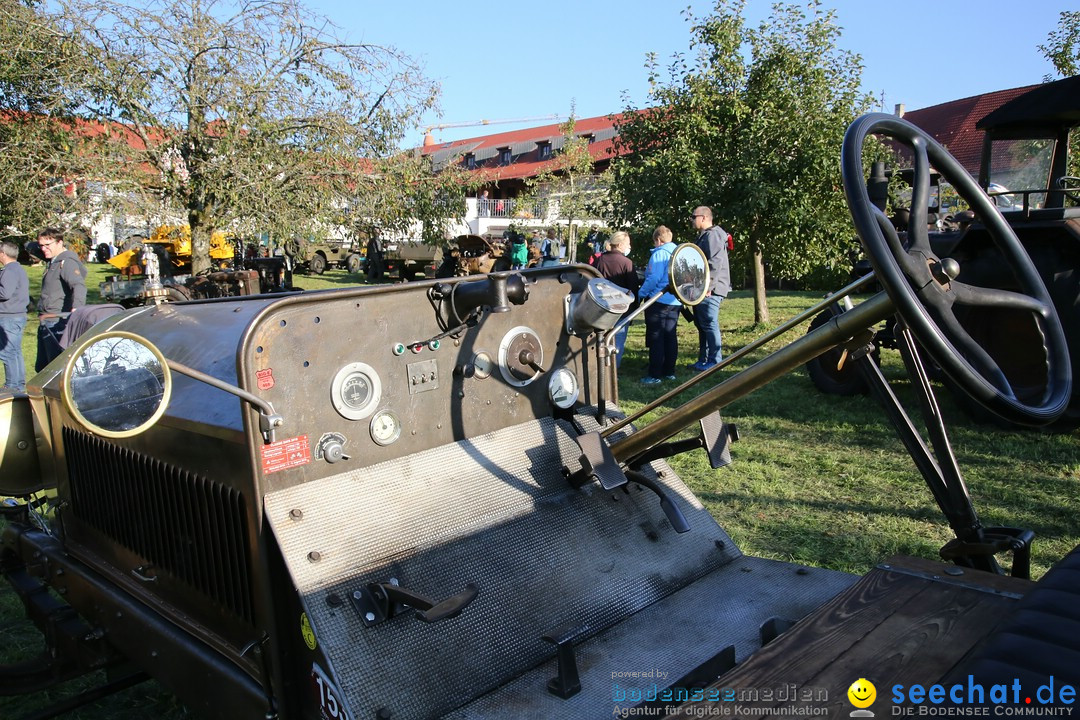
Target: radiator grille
column 191, row 527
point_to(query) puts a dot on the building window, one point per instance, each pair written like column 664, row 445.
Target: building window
column 543, row 151
column 504, row 156
column 470, row 161
column 588, row 138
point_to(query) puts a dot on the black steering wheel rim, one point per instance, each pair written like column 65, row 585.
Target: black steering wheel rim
column 923, row 288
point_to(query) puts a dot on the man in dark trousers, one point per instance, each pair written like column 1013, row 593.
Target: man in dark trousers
column 14, row 298
column 63, row 288
column 712, row 239
column 614, row 265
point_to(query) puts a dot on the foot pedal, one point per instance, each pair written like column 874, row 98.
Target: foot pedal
column 598, row 463
column 717, row 436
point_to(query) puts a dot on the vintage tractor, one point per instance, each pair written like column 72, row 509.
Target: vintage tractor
column 442, row 512
column 1025, row 148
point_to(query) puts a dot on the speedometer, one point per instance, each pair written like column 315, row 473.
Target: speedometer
column 356, row 391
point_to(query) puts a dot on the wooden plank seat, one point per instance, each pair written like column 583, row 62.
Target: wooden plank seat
column 909, row 621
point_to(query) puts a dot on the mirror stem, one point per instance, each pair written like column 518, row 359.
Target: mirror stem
column 269, row 420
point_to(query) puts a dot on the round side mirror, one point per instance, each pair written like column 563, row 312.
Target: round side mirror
column 116, row 384
column 688, row 274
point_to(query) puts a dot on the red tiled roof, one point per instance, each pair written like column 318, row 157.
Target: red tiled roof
column 953, row 123
column 527, row 164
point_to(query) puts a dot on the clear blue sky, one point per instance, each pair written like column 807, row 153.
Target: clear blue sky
column 519, row 59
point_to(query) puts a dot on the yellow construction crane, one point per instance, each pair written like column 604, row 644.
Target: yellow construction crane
column 429, row 140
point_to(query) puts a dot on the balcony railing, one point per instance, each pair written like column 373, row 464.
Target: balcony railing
column 510, row 208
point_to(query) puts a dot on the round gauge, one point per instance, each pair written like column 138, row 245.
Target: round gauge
column 482, row 365
column 563, row 388
column 385, row 427
column 356, row 391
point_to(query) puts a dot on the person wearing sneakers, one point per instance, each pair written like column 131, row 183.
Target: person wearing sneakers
column 662, row 317
column 712, row 239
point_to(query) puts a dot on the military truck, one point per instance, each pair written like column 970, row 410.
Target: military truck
column 447, row 514
column 1025, row 148
column 317, row 255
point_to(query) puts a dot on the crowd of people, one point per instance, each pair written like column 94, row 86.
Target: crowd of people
column 662, row 316
column 63, row 290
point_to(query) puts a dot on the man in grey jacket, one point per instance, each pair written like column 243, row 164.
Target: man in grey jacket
column 63, row 288
column 14, row 299
column 712, row 239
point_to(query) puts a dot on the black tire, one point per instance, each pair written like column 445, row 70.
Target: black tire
column 103, row 253
column 823, row 373
column 317, row 264
column 353, row 263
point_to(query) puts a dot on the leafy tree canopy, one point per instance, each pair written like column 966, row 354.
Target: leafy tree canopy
column 751, row 124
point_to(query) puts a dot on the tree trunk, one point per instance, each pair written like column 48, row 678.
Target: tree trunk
column 757, row 261
column 200, row 242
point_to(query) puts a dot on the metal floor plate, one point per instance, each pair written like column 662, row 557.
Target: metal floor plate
column 482, row 511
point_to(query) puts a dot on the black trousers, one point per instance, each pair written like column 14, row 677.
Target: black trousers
column 661, row 322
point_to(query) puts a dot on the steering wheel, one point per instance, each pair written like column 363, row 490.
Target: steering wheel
column 923, row 286
column 1071, row 186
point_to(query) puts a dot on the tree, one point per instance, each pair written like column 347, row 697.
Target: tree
column 567, row 186
column 757, row 138
column 1062, row 46
column 251, row 115
column 1063, row 50
column 44, row 147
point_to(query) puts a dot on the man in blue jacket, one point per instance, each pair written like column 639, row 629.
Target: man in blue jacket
column 712, row 239
column 662, row 317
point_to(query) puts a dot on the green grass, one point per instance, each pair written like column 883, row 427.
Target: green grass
column 816, row 479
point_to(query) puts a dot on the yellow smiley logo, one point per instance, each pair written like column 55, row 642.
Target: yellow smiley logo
column 862, row 693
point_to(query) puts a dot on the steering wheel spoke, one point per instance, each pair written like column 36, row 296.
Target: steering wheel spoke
column 974, row 353
column 975, row 296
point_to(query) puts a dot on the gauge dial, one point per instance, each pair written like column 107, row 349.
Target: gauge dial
column 563, row 388
column 356, row 391
column 482, row 365
column 385, row 427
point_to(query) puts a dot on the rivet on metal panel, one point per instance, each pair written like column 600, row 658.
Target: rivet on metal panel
column 314, row 556
column 296, row 514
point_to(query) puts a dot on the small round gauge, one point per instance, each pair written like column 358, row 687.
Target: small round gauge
column 356, row 391
column 482, row 365
column 563, row 388
column 385, row 427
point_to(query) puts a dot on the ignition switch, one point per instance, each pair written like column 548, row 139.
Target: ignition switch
column 331, row 448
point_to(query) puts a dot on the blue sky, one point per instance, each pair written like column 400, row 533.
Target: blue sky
column 517, row 59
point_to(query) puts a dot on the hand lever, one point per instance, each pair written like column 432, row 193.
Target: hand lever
column 528, row 358
column 380, row 601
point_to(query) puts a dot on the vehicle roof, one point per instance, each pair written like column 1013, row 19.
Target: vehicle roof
column 1052, row 104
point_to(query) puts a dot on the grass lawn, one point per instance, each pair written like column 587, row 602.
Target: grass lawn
column 816, row 479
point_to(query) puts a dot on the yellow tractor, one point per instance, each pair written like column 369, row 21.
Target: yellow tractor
column 158, row 269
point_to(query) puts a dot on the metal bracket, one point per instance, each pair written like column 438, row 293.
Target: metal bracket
column 567, row 683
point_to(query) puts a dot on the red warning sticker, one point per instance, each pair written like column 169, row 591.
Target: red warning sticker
column 285, row 454
column 265, row 378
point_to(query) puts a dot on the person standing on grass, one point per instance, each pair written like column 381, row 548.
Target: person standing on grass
column 662, row 317
column 712, row 239
column 63, row 288
column 14, row 299
column 619, row 269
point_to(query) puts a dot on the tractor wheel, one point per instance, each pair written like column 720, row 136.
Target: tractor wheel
column 353, row 263
column 824, row 374
column 317, row 264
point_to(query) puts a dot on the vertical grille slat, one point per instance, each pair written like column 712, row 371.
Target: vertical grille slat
column 191, row 527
